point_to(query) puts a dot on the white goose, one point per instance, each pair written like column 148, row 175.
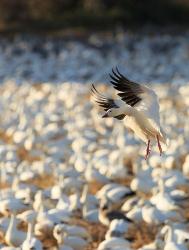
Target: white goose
column 75, row 230
column 13, row 236
column 114, row 243
column 62, row 237
column 117, row 228
column 171, row 241
column 140, row 106
column 31, row 243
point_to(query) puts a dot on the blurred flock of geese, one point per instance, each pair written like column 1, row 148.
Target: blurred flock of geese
column 70, row 180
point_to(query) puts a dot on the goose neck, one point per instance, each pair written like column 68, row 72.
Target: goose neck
column 30, row 230
column 12, row 223
column 161, row 186
column 170, row 235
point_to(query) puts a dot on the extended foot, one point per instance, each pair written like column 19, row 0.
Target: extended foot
column 159, row 145
column 148, row 150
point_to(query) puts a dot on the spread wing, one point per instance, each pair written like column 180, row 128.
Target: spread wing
column 138, row 96
column 104, row 102
column 128, row 91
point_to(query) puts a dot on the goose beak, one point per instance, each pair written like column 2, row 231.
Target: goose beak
column 105, row 115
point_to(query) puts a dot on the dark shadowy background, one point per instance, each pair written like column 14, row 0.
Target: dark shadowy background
column 81, row 40
column 52, row 15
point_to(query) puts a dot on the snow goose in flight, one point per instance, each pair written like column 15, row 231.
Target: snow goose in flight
column 139, row 104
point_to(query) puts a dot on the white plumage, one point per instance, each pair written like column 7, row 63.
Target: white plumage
column 115, row 243
column 139, row 105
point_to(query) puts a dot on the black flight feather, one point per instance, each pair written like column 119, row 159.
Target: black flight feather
column 128, row 91
column 105, row 103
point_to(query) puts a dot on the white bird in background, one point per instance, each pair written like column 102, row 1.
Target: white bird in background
column 13, row 236
column 139, row 104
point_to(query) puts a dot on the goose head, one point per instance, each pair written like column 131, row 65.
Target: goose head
column 110, row 113
column 118, row 113
column 105, row 205
column 58, row 233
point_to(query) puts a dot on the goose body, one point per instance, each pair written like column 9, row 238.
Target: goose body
column 107, row 214
column 139, row 105
column 13, row 236
column 31, row 243
column 117, row 228
column 152, row 215
column 62, row 237
column 155, row 245
column 114, row 243
column 163, row 200
column 75, row 230
column 171, row 241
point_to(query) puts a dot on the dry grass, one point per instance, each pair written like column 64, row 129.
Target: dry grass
column 24, row 155
column 5, row 137
column 3, row 185
column 94, row 187
column 44, row 181
column 141, row 234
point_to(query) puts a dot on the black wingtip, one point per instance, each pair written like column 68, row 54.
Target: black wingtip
column 92, row 87
column 118, row 72
column 116, row 75
column 97, row 95
column 94, row 90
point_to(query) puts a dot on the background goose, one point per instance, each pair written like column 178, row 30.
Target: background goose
column 171, row 241
column 114, row 243
column 53, row 142
column 139, row 104
column 13, row 236
column 107, row 214
column 117, row 228
column 62, row 237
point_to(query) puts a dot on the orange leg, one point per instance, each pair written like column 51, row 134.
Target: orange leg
column 148, row 150
column 159, row 145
